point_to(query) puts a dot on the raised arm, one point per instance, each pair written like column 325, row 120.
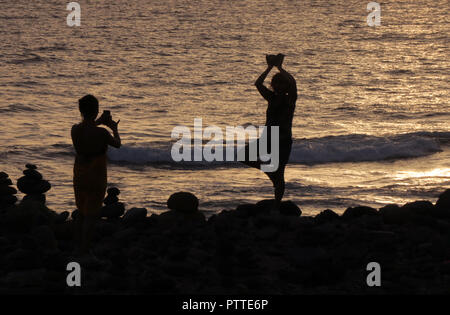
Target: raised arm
column 259, row 83
column 114, row 140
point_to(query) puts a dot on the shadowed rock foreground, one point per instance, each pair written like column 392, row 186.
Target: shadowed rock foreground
column 246, row 251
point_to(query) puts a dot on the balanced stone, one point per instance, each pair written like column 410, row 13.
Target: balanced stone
column 7, row 193
column 32, row 183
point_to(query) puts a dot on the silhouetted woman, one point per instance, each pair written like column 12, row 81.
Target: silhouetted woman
column 89, row 173
column 280, row 112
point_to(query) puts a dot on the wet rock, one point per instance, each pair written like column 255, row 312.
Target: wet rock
column 289, row 208
column 184, row 202
column 356, row 212
column 326, row 216
column 135, row 215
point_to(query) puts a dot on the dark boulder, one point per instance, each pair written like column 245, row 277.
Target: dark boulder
column 264, row 206
column 135, row 215
column 289, row 208
column 183, row 202
column 443, row 202
column 356, row 212
column 326, row 216
column 246, row 210
column 422, row 207
column 393, row 214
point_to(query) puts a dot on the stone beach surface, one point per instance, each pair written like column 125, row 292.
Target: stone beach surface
column 251, row 250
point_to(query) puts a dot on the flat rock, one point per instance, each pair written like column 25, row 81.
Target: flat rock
column 359, row 211
column 31, row 186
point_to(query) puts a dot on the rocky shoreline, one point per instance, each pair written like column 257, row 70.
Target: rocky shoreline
column 251, row 250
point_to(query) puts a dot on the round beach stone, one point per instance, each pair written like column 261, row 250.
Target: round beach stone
column 135, row 215
column 326, row 216
column 356, row 212
column 289, row 208
column 7, row 190
column 110, row 199
column 5, row 182
column 32, row 173
column 7, row 200
column 183, row 202
column 3, row 175
column 32, row 186
column 31, row 166
column 113, row 191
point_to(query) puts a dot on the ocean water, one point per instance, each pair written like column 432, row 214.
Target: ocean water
column 372, row 118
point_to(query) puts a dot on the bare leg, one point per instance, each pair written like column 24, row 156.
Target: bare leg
column 279, row 184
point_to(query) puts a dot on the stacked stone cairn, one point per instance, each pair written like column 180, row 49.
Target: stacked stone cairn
column 113, row 209
column 7, row 193
column 33, row 185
